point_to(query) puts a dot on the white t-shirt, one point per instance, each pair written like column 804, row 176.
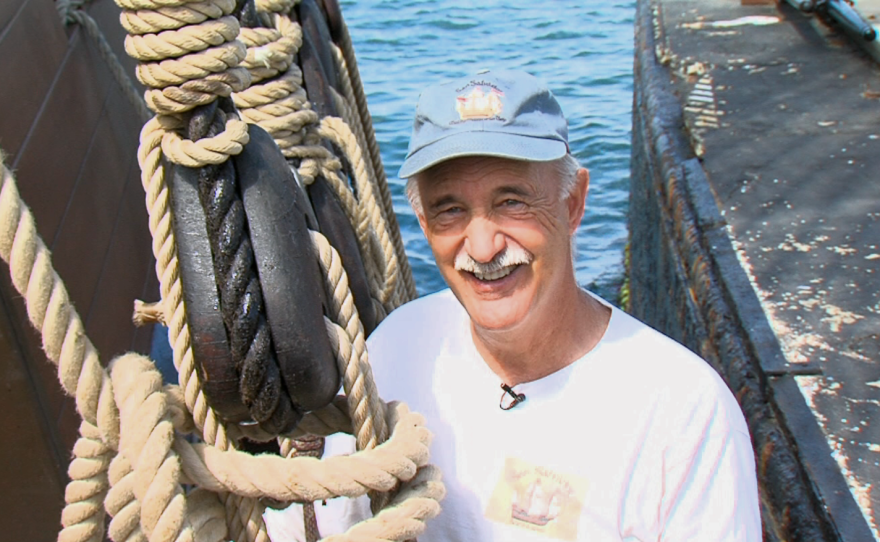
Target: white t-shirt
column 638, row 440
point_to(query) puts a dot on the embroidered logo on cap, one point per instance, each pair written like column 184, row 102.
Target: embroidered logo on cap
column 478, row 105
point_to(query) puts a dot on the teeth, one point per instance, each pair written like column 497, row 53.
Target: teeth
column 500, row 274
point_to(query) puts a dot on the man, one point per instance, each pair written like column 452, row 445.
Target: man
column 555, row 415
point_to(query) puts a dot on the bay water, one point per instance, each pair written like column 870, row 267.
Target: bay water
column 583, row 50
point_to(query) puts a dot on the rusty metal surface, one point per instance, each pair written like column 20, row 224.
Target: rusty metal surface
column 687, row 271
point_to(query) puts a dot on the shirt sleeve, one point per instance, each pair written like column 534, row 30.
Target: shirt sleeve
column 712, row 493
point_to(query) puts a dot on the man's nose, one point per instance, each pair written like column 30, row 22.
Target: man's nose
column 484, row 240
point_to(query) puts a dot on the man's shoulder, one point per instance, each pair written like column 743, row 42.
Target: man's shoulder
column 647, row 346
column 421, row 315
column 664, row 368
column 418, row 325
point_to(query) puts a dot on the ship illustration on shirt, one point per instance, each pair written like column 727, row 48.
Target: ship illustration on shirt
column 537, row 499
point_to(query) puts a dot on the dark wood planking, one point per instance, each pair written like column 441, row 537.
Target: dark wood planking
column 31, row 473
column 84, row 234
column 106, row 15
column 71, row 137
column 50, row 163
column 32, row 37
column 47, row 169
column 8, row 11
column 122, row 279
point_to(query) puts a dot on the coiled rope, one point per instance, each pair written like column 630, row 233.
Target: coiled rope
column 130, row 460
column 276, row 100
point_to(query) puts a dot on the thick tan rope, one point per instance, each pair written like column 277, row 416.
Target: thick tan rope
column 83, row 517
column 367, row 410
column 351, row 80
column 271, row 50
column 51, row 313
column 280, row 107
column 165, row 252
column 347, row 105
column 340, row 134
column 139, row 418
column 306, row 479
column 189, row 55
column 399, row 295
column 79, row 369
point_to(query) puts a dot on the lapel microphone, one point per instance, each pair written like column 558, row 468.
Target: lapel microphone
column 517, row 397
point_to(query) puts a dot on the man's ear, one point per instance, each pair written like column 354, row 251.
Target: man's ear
column 577, row 200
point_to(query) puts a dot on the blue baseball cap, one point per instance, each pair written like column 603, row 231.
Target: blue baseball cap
column 506, row 113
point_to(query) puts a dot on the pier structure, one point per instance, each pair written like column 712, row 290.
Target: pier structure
column 755, row 238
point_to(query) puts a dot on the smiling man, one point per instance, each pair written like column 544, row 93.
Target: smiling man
column 556, row 416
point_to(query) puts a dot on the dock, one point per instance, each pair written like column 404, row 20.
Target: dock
column 755, row 238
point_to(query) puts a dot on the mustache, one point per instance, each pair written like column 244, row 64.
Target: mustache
column 512, row 255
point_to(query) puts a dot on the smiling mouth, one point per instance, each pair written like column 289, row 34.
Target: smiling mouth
column 502, row 265
column 495, row 275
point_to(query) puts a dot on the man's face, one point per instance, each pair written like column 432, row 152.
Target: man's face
column 501, row 236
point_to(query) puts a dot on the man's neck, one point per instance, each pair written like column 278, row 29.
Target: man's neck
column 531, row 352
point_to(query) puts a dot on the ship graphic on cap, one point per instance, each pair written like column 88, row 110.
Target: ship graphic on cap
column 479, row 105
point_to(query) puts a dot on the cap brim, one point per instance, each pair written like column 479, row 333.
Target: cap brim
column 501, row 145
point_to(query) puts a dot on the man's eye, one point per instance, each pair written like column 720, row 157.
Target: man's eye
column 513, row 203
column 446, row 214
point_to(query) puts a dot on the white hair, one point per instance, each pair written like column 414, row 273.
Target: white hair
column 565, row 170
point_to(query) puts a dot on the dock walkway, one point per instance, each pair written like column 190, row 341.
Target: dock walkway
column 782, row 115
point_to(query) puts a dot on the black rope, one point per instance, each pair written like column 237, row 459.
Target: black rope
column 241, row 301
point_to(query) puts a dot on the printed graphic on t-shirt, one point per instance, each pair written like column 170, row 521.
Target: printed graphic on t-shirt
column 538, row 499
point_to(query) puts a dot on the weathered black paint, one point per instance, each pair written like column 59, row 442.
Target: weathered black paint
column 686, row 281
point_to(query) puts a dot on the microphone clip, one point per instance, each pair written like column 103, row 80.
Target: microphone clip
column 517, row 397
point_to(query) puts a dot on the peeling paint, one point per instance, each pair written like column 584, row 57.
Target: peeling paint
column 810, row 387
column 861, row 492
column 838, row 317
column 752, row 20
column 799, row 345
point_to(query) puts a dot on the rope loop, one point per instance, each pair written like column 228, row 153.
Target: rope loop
column 131, row 460
column 338, row 132
column 275, row 6
column 138, row 21
column 179, row 42
column 176, row 71
column 209, row 150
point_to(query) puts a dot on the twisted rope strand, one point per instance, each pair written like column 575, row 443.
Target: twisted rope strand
column 337, row 131
column 349, row 71
column 128, row 411
column 82, row 519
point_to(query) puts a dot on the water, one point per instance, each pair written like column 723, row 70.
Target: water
column 582, row 50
